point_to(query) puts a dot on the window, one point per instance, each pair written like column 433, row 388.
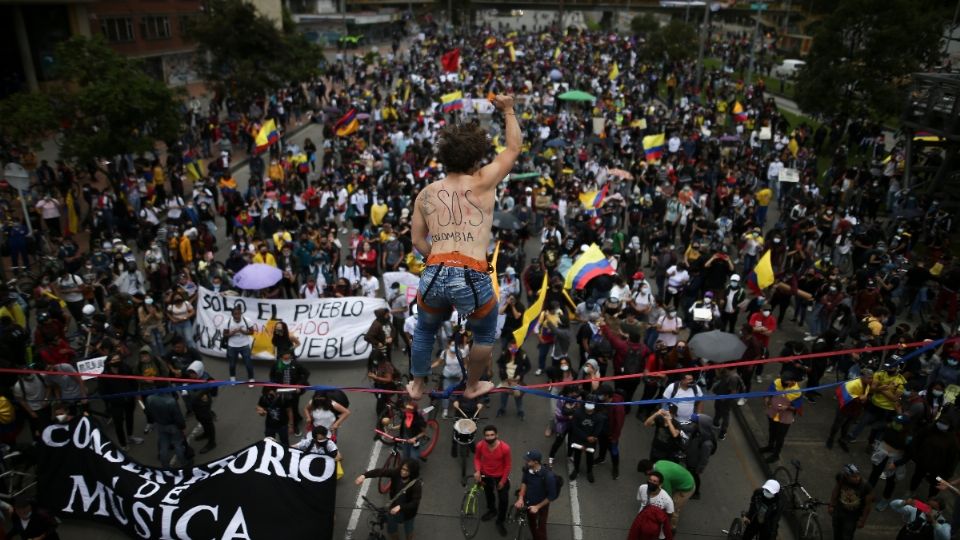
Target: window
column 155, row 27
column 117, row 29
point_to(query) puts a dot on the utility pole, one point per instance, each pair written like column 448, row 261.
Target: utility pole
column 758, row 7
column 786, row 18
column 703, row 43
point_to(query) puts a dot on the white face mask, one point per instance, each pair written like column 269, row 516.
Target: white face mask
column 707, row 300
column 531, row 471
column 564, row 367
column 61, row 418
column 766, row 313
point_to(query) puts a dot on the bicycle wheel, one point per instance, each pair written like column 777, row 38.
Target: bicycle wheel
column 811, row 528
column 782, row 475
column 736, row 529
column 470, row 513
column 433, row 434
column 392, row 462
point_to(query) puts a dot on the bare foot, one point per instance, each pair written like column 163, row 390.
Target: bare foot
column 477, row 389
column 416, row 388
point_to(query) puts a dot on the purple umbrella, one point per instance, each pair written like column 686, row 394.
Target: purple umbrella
column 254, row 277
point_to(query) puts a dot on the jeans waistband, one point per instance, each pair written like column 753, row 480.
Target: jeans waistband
column 457, row 259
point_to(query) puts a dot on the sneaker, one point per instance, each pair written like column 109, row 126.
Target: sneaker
column 233, row 379
column 590, row 477
column 741, row 402
column 829, row 369
column 446, row 413
column 147, row 428
column 882, row 505
column 501, row 412
column 490, row 514
column 759, row 379
column 809, row 337
column 844, row 445
column 501, row 528
column 599, row 461
column 250, row 383
column 125, row 448
column 573, row 475
column 208, row 447
column 539, row 372
column 723, row 435
column 550, row 462
column 136, row 440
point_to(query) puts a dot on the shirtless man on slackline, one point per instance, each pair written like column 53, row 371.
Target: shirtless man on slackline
column 451, row 228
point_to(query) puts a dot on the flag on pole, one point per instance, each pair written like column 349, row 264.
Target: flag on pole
column 347, row 124
column 592, row 200
column 451, row 61
column 267, row 136
column 512, row 51
column 653, row 146
column 590, row 264
column 762, row 275
column 614, row 72
column 193, row 167
column 556, row 53
column 531, row 315
column 452, row 101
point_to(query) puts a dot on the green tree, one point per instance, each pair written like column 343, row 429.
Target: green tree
column 864, row 52
column 674, row 42
column 103, row 104
column 243, row 54
column 644, row 24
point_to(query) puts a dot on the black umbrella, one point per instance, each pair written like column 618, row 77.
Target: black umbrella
column 556, row 143
column 717, row 346
column 506, row 220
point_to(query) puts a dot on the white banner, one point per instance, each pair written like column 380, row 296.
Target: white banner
column 789, row 175
column 92, row 367
column 409, row 283
column 328, row 328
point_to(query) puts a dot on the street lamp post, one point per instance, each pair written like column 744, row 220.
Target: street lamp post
column 703, row 43
column 758, row 7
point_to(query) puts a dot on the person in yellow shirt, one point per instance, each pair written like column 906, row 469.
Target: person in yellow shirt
column 275, row 172
column 186, row 250
column 885, row 393
column 852, row 397
column 281, row 238
column 264, row 256
column 763, row 196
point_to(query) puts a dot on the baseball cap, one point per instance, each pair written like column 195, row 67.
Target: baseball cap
column 533, row 455
column 850, row 469
column 772, row 486
column 638, row 275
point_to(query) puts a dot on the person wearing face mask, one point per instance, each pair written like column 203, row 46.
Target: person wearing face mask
column 852, row 398
column 120, row 410
column 677, row 482
column 887, row 388
column 669, row 327
column 492, row 464
column 239, row 336
column 704, row 314
column 923, row 521
column 763, row 324
column 850, row 502
column 891, row 447
column 935, row 453
column 287, row 370
column 151, row 322
column 452, row 374
column 538, row 488
column 585, row 431
column 656, row 507
column 677, row 279
column 730, row 302
column 514, row 365
column 948, row 372
column 763, row 517
column 31, row 392
column 782, row 411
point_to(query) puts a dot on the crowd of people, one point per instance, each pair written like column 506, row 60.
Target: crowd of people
column 857, row 259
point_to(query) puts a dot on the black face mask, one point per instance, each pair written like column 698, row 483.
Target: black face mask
column 652, row 488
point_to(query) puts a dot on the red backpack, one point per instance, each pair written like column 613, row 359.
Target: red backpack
column 649, row 523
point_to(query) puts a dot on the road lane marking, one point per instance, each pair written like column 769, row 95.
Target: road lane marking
column 358, row 504
column 574, row 506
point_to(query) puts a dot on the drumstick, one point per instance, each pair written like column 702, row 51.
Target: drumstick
column 949, row 485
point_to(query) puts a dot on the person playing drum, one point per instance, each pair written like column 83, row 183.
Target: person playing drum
column 451, row 226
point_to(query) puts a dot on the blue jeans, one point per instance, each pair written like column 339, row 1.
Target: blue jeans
column 505, row 398
column 410, row 451
column 184, row 330
column 395, row 520
column 244, row 352
column 451, row 289
column 156, row 342
column 449, row 381
column 170, row 436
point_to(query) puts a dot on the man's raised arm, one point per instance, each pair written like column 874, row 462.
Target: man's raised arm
column 493, row 174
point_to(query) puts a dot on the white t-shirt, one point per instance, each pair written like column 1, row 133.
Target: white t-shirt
column 308, row 445
column 685, row 409
column 239, row 340
column 661, row 500
column 322, row 417
column 71, row 281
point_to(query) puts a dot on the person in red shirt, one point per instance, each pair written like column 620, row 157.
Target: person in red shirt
column 491, row 463
column 763, row 324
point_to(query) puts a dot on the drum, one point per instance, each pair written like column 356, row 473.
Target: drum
column 464, row 431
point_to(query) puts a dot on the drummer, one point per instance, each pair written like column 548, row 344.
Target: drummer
column 465, row 408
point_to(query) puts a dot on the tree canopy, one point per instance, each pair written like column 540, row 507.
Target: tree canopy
column 864, row 52
column 102, row 103
column 674, row 42
column 243, row 54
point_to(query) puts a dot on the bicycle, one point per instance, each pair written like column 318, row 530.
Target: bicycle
column 378, row 521
column 470, row 510
column 393, row 460
column 792, row 489
column 518, row 516
column 735, row 532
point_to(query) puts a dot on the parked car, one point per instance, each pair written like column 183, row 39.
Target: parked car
column 788, row 69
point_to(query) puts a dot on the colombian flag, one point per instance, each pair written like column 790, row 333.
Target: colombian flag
column 193, row 167
column 267, row 136
column 653, row 146
column 762, row 275
column 738, row 113
column 592, row 200
column 849, row 391
column 531, row 315
column 614, row 72
column 348, row 124
column 490, row 43
column 452, row 101
column 592, row 263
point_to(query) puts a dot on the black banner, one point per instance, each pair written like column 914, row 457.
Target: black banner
column 262, row 491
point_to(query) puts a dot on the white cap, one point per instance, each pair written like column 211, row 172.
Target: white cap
column 510, row 271
column 772, row 486
column 735, row 277
column 89, row 309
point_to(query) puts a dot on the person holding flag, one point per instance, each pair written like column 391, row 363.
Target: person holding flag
column 451, row 227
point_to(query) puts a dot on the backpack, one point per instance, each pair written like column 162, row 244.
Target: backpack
column 557, row 479
column 633, row 361
column 676, row 388
column 648, row 523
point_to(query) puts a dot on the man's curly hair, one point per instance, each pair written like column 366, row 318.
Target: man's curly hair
column 462, row 147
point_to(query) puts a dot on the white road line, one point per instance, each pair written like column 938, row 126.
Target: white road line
column 358, row 504
column 574, row 506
